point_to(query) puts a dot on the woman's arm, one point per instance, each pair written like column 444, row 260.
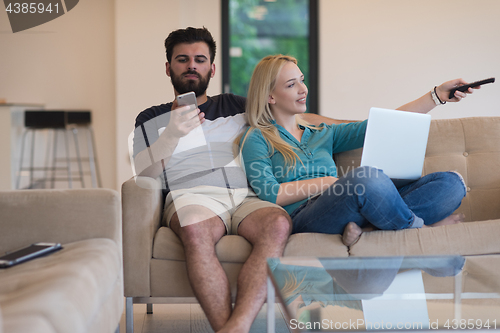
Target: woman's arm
column 291, row 192
column 316, row 119
column 259, row 169
column 425, row 103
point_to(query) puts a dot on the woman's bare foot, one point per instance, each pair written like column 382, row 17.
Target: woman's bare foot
column 452, row 219
column 352, row 233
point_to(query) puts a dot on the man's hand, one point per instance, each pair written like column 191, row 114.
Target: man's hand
column 182, row 121
column 443, row 91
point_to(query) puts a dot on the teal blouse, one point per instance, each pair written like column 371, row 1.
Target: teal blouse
column 266, row 170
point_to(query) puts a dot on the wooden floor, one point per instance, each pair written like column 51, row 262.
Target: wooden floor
column 188, row 318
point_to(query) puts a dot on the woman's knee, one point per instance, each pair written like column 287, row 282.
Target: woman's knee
column 458, row 184
column 453, row 190
column 454, row 184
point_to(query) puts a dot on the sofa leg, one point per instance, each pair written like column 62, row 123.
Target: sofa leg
column 149, row 308
column 129, row 315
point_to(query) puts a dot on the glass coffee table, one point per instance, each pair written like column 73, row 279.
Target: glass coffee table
column 382, row 293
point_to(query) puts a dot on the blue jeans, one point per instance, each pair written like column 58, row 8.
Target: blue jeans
column 367, row 196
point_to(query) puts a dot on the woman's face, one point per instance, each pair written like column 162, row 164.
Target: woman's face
column 289, row 95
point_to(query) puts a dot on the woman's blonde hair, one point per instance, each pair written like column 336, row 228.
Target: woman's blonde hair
column 258, row 111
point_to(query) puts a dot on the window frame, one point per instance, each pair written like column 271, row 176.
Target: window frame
column 313, row 78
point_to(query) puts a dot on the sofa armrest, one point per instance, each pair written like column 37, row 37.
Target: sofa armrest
column 60, row 216
column 142, row 207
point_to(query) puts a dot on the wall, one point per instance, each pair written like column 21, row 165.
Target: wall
column 67, row 63
column 141, row 29
column 381, row 53
column 385, row 53
column 108, row 56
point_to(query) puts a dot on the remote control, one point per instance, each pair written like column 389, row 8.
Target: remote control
column 470, row 85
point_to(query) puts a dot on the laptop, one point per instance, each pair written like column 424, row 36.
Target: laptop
column 395, row 142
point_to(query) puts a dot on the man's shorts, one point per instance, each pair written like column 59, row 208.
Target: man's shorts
column 230, row 205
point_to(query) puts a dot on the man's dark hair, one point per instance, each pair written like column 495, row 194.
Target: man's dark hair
column 190, row 35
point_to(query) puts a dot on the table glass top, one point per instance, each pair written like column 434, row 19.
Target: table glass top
column 387, row 293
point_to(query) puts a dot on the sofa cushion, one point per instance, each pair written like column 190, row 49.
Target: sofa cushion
column 169, row 278
column 64, row 291
column 472, row 147
column 315, row 245
column 236, row 249
column 469, row 238
column 230, row 248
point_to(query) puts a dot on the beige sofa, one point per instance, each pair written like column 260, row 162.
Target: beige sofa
column 154, row 263
column 77, row 289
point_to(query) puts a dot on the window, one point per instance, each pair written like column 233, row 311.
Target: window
column 253, row 29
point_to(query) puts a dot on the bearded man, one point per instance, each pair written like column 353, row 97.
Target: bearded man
column 207, row 195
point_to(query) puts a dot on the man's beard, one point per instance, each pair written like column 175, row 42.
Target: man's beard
column 199, row 87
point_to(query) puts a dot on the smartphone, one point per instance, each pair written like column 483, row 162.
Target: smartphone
column 470, row 85
column 187, row 99
column 28, row 253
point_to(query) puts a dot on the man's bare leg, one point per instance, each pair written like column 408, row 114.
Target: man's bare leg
column 206, row 275
column 267, row 229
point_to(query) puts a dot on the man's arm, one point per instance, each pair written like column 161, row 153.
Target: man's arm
column 150, row 161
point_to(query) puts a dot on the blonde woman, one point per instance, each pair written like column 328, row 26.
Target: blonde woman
column 289, row 162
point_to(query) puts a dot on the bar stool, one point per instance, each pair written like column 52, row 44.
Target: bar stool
column 44, row 120
column 82, row 119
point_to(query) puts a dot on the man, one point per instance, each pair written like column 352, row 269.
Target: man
column 208, row 195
